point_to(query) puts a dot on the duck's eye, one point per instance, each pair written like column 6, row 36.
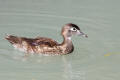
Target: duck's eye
column 73, row 29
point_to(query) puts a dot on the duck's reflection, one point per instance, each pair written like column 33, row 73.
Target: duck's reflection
column 70, row 73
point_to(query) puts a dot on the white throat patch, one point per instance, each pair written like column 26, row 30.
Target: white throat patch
column 69, row 38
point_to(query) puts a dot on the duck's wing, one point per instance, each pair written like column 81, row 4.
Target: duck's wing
column 42, row 41
column 39, row 41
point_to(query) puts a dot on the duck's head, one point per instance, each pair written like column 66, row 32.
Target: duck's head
column 71, row 29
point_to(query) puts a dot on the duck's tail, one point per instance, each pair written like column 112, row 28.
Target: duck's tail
column 13, row 39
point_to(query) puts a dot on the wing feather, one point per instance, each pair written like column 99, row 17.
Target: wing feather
column 41, row 41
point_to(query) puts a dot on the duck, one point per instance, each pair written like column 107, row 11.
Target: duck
column 44, row 45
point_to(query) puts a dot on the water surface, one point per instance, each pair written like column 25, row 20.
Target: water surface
column 94, row 58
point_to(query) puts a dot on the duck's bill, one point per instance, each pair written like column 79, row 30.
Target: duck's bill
column 85, row 35
column 82, row 34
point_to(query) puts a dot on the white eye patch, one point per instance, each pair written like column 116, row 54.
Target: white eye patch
column 73, row 29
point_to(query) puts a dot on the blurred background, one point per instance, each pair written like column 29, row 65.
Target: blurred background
column 94, row 58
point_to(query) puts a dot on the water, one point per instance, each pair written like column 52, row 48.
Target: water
column 95, row 58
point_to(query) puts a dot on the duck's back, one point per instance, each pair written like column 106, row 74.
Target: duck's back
column 30, row 45
column 40, row 41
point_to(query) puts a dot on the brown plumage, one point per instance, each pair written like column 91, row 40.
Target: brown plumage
column 46, row 45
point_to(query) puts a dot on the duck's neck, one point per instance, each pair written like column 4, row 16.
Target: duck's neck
column 67, row 44
column 67, row 40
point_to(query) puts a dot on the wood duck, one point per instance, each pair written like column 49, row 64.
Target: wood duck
column 43, row 45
